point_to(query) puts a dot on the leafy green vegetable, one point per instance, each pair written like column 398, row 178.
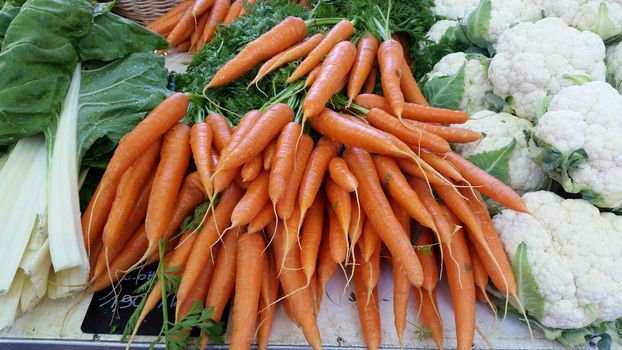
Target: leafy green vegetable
column 445, row 91
column 497, row 162
column 528, row 293
column 113, row 37
column 9, row 10
column 114, row 97
column 478, row 24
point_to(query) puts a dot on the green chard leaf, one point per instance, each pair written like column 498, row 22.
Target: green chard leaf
column 497, row 162
column 445, row 91
column 9, row 10
column 528, row 292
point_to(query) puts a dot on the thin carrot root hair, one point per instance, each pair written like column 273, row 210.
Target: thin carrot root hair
column 88, row 227
column 435, row 305
column 285, row 297
column 70, row 310
column 419, row 307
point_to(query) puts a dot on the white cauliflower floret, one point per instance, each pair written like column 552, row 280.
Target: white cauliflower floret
column 493, row 17
column 503, row 132
column 533, row 58
column 466, row 92
column 578, row 141
column 454, row 8
column 574, row 253
column 439, row 29
column 614, row 65
column 601, row 17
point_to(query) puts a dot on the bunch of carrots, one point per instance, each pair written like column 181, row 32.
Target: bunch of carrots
column 288, row 209
column 191, row 24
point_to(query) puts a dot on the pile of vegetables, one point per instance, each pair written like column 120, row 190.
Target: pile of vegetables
column 312, row 139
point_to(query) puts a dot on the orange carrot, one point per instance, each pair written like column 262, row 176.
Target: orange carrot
column 184, row 46
column 266, row 128
column 356, row 224
column 315, row 170
column 283, row 163
column 451, row 134
column 486, row 183
column 341, row 31
column 440, row 164
column 285, row 206
column 411, row 167
column 201, row 6
column 371, row 269
column 335, row 68
column 216, row 16
column 201, row 144
column 268, row 295
column 341, row 174
column 165, row 27
column 396, row 184
column 443, row 226
column 368, row 306
column 130, row 148
column 410, row 88
column 379, row 212
column 370, row 83
column 365, row 59
column 311, row 236
column 414, row 111
column 401, row 287
column 425, row 251
column 430, row 317
column 340, row 205
column 197, row 294
column 174, row 159
column 254, row 199
column 221, row 130
column 414, row 136
column 285, row 34
column 313, row 75
column 208, row 236
column 197, row 32
column 461, row 285
column 337, row 238
column 246, row 124
column 390, row 61
column 182, row 30
column 326, row 266
column 263, row 70
column 251, row 169
column 262, row 219
column 247, row 289
column 234, row 11
column 176, row 10
column 480, row 276
column 369, row 241
column 268, row 154
column 223, row 280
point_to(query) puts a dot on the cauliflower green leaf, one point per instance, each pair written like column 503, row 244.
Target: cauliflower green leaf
column 445, row 91
column 496, row 162
column 528, row 293
column 478, row 25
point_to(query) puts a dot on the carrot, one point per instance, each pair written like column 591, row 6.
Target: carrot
column 268, row 155
column 130, row 148
column 451, row 134
column 368, row 307
column 461, row 285
column 396, row 184
column 234, row 11
column 292, row 228
column 401, row 287
column 311, row 236
column 182, row 30
column 430, row 317
column 340, row 204
column 502, row 276
column 424, row 241
column 379, row 212
column 326, row 266
column 390, row 61
column 341, row 31
column 294, row 285
column 262, row 219
column 201, row 144
column 369, row 241
column 414, row 111
column 208, row 236
column 250, row 3
column 223, row 280
column 486, row 183
column 293, row 53
column 246, row 124
column 337, row 238
column 480, row 276
column 285, row 34
column 283, row 162
column 411, row 167
column 254, row 199
column 252, row 169
column 366, row 56
column 201, row 6
column 414, row 136
column 315, row 170
column 128, row 192
column 334, row 69
column 174, row 159
column 216, row 16
column 288, row 309
column 356, row 224
column 370, row 83
column 312, row 76
column 410, row 88
column 263, row 70
column 285, row 206
column 354, row 133
column 440, row 164
column 341, row 174
column 268, row 295
column 198, row 293
column 197, row 32
column 165, row 27
column 176, row 10
column 266, row 128
column 247, row 289
column 184, row 46
column 221, row 130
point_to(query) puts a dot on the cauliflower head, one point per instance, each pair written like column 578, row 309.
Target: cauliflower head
column 614, row 65
column 459, row 81
column 503, row 151
column 492, row 17
column 573, row 252
column 454, row 9
column 536, row 59
column 440, row 29
column 601, row 17
column 578, row 142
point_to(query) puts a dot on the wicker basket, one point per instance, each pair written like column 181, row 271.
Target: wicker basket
column 143, row 11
